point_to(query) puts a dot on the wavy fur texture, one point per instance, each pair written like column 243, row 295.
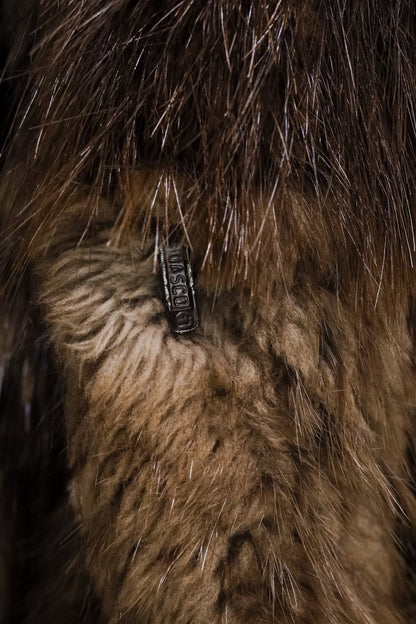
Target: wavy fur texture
column 262, row 469
column 252, row 473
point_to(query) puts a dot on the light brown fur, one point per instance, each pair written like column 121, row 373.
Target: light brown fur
column 253, row 472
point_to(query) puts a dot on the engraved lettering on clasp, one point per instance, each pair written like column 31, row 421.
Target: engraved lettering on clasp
column 178, row 288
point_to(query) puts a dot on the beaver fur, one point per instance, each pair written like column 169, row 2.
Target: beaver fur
column 260, row 469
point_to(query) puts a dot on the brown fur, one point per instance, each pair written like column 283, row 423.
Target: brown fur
column 267, row 99
column 260, row 469
column 239, row 475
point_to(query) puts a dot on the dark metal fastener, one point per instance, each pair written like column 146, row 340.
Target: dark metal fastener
column 178, row 287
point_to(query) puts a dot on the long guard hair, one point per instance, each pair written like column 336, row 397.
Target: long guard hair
column 261, row 470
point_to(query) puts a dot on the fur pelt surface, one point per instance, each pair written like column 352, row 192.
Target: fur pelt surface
column 260, row 469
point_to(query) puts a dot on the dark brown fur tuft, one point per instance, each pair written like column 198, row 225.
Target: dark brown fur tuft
column 248, row 102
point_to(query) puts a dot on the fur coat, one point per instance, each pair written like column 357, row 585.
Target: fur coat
column 260, row 468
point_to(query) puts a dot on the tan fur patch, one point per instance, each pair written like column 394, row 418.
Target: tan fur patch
column 248, row 473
